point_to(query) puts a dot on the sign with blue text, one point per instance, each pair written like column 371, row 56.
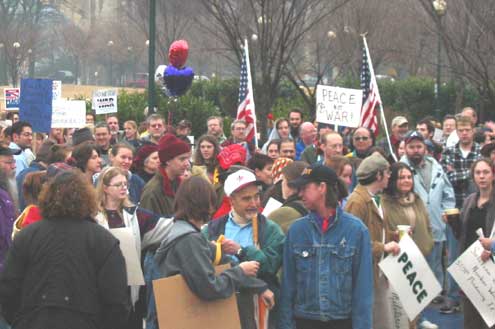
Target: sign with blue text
column 338, row 106
column 105, row 101
column 69, row 114
column 36, row 103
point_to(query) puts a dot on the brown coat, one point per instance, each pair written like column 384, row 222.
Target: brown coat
column 361, row 205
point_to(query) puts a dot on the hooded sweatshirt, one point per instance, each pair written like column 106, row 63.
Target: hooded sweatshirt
column 186, row 251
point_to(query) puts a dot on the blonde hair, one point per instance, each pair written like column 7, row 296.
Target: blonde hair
column 104, row 180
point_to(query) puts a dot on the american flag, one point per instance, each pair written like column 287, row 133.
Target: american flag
column 371, row 96
column 245, row 110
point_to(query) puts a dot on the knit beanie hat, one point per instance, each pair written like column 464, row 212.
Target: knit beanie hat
column 170, row 146
column 143, row 153
column 277, row 167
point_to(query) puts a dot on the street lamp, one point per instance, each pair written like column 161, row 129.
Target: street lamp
column 440, row 7
column 16, row 45
column 110, row 45
column 2, row 64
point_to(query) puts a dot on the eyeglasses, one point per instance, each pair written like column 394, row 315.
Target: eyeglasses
column 361, row 138
column 118, row 185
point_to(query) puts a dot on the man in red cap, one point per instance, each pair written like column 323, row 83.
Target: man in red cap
column 158, row 194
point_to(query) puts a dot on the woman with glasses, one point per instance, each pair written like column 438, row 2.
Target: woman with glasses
column 115, row 210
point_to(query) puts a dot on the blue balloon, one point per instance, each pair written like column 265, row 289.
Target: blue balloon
column 178, row 81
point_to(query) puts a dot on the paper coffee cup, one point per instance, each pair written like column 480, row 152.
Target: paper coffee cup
column 403, row 230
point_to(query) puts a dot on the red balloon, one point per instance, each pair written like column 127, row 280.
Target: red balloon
column 177, row 53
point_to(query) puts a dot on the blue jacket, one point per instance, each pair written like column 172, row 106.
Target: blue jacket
column 437, row 198
column 327, row 276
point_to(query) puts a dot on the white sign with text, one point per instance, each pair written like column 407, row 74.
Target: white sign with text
column 339, row 106
column 68, row 114
column 477, row 280
column 410, row 276
column 105, row 101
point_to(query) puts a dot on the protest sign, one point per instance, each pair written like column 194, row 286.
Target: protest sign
column 399, row 316
column 411, row 277
column 69, row 114
column 105, row 101
column 12, row 98
column 339, row 106
column 36, row 103
column 127, row 244
column 178, row 307
column 477, row 280
column 271, row 205
column 57, row 90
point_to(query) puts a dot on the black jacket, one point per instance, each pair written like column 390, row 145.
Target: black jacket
column 64, row 274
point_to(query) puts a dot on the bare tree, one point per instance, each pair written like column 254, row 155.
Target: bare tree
column 468, row 37
column 278, row 26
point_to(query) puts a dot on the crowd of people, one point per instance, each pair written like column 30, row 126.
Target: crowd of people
column 312, row 260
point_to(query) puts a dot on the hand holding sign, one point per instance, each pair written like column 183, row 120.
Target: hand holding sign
column 411, row 277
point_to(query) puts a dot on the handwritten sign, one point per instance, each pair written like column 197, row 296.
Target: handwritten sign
column 12, row 98
column 477, row 280
column 339, row 106
column 36, row 103
column 411, row 277
column 399, row 316
column 57, row 90
column 105, row 101
column 69, row 114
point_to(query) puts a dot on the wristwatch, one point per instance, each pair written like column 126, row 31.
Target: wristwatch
column 240, row 254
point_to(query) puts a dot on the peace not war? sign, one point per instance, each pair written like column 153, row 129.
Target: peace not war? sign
column 339, row 106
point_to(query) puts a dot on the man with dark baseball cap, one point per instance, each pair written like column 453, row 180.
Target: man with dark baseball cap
column 313, row 272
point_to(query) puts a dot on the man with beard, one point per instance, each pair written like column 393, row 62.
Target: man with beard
column 248, row 235
column 295, row 120
column 432, row 185
column 8, row 168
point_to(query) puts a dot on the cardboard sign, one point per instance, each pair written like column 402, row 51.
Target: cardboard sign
column 132, row 261
column 178, row 307
column 411, row 277
column 477, row 280
column 339, row 106
column 12, row 98
column 105, row 101
column 36, row 103
column 57, row 90
column 69, row 114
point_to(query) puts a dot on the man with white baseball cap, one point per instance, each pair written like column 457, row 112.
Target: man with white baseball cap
column 249, row 236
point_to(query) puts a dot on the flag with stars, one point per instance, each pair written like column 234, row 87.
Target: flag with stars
column 245, row 110
column 371, row 96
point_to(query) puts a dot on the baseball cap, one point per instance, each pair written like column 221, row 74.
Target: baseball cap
column 8, row 151
column 315, row 173
column 238, row 180
column 399, row 121
column 412, row 135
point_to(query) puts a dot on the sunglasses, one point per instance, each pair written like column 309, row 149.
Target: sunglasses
column 358, row 139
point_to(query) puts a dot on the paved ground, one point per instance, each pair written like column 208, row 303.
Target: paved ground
column 444, row 321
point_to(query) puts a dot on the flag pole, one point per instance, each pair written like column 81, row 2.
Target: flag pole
column 251, row 90
column 382, row 113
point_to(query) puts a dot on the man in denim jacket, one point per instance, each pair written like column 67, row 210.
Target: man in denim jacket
column 327, row 265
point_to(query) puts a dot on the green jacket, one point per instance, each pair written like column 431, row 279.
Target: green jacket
column 154, row 199
column 271, row 246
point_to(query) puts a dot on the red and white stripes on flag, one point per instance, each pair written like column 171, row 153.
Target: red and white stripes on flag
column 371, row 95
column 245, row 110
